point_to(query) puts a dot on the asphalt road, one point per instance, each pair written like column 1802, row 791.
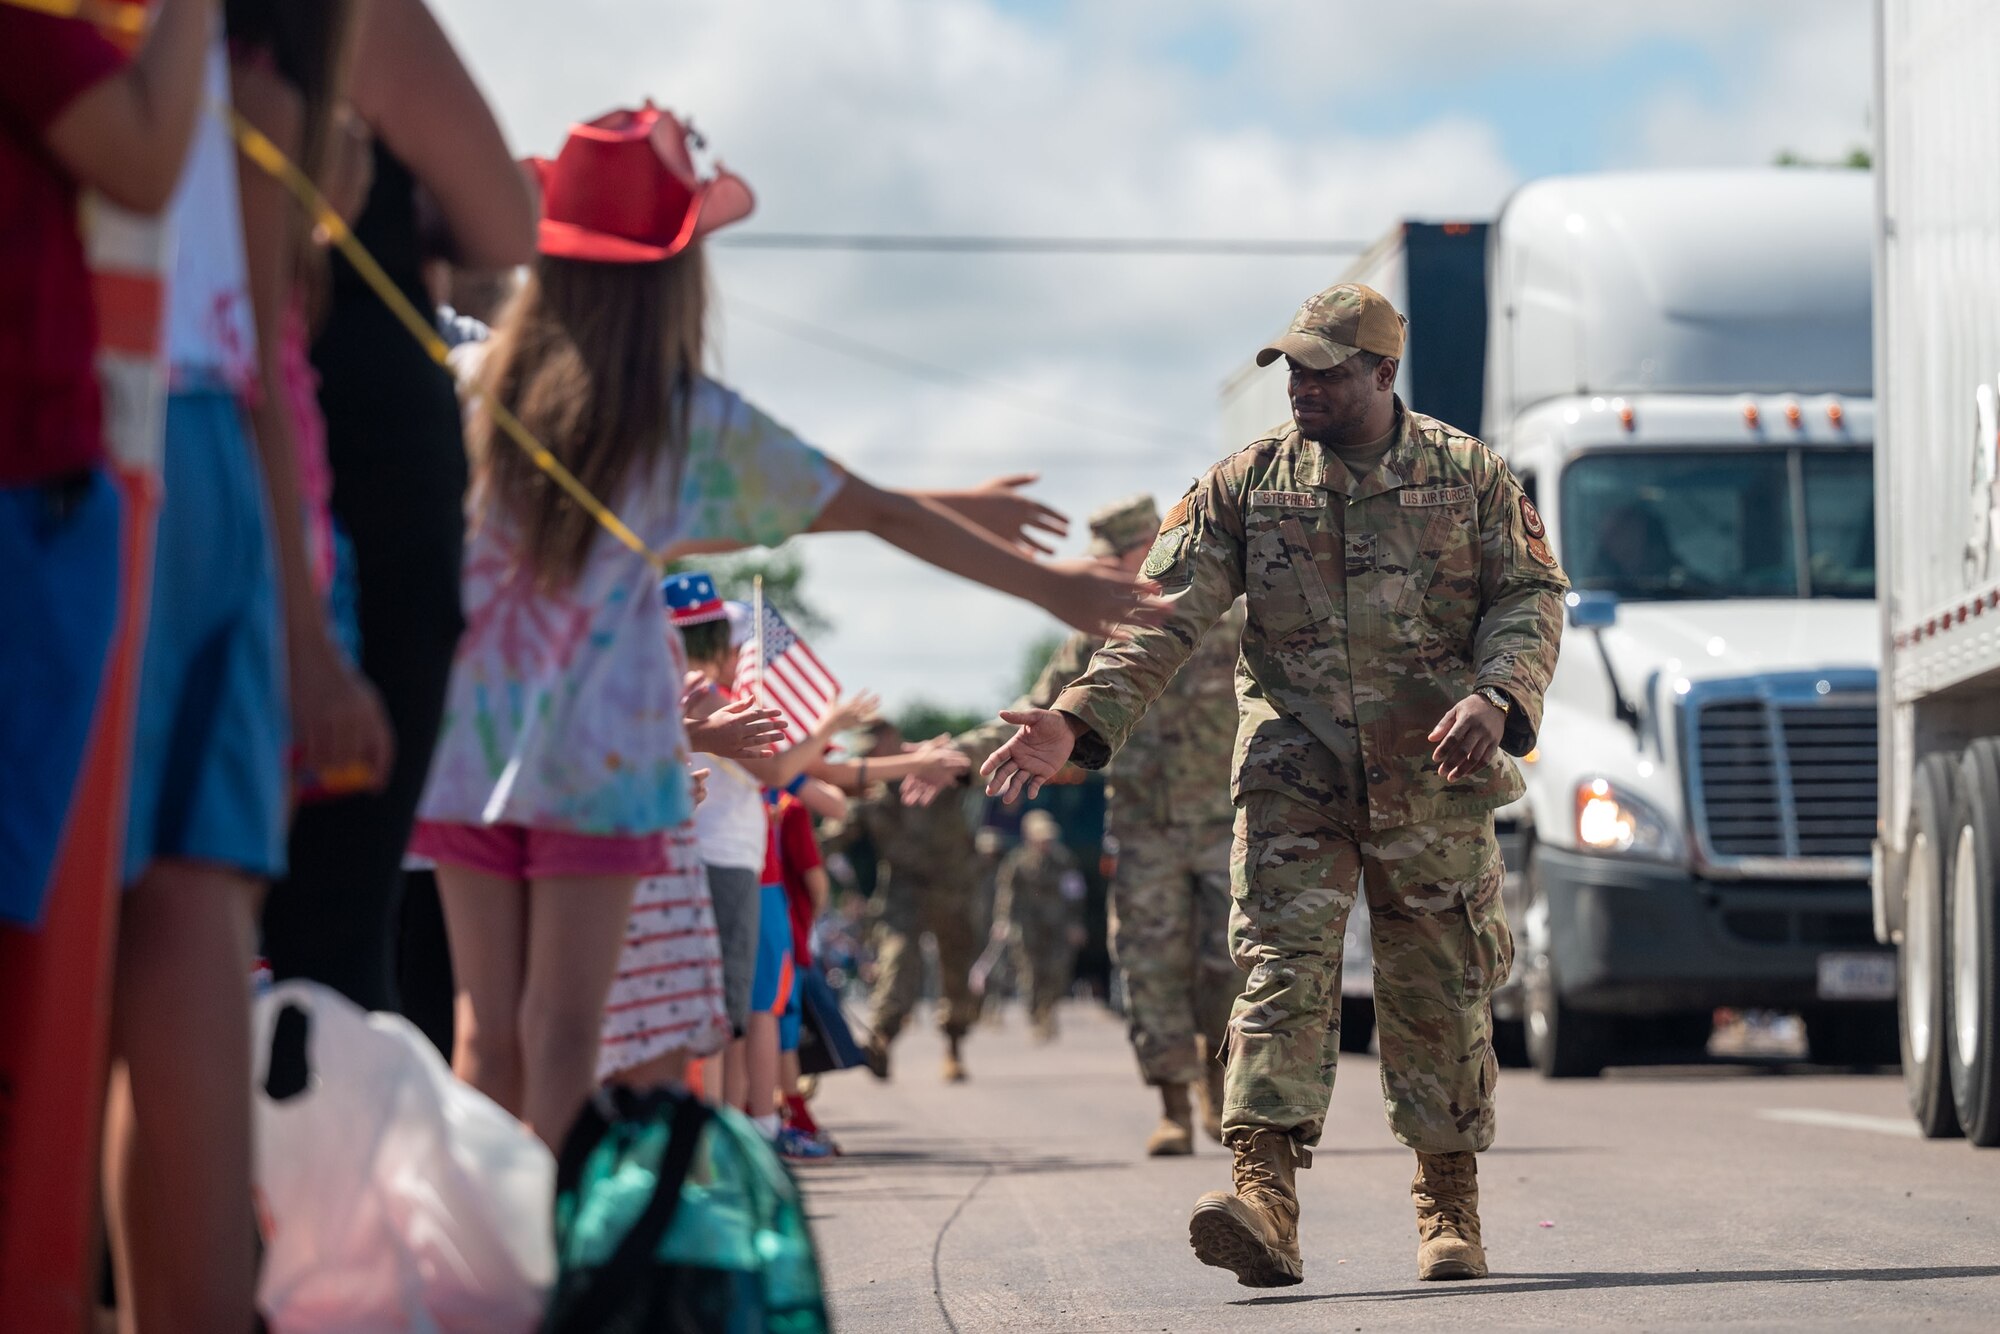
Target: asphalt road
column 1757, row 1195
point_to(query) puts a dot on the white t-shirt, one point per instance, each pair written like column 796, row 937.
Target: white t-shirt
column 731, row 825
column 211, row 334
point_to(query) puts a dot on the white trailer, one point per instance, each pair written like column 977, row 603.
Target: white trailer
column 1937, row 356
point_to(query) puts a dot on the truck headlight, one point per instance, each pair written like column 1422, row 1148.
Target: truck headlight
column 1608, row 820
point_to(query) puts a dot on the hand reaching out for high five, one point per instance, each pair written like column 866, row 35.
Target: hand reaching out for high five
column 1101, row 599
column 1032, row 756
column 736, row 730
column 849, row 712
column 1016, row 519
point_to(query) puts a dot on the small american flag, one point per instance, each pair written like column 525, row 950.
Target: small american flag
column 793, row 681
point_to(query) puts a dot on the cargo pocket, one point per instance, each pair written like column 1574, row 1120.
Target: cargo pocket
column 1285, row 587
column 1424, row 562
column 1488, row 944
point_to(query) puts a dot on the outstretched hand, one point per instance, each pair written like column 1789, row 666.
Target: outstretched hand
column 738, row 730
column 1032, row 756
column 1101, row 599
column 944, row 765
column 999, row 507
column 849, row 712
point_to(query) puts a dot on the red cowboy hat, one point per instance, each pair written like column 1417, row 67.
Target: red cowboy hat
column 623, row 190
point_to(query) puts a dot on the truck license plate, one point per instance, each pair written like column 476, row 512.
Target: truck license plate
column 1857, row 977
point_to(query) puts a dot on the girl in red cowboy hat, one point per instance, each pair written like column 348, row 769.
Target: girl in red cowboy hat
column 563, row 758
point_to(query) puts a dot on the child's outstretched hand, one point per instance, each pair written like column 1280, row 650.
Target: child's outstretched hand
column 1001, row 509
column 1098, row 599
column 849, row 712
column 739, row 730
column 698, row 782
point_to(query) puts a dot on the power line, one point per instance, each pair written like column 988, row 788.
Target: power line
column 1074, row 415
column 1212, row 246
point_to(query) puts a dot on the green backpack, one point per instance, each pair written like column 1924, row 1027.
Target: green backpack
column 675, row 1217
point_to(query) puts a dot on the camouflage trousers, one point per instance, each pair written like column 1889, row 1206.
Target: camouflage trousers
column 1170, row 939
column 1441, row 947
column 1046, row 958
column 909, row 912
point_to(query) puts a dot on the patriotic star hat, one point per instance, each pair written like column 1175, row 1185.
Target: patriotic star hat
column 692, row 600
column 625, row 190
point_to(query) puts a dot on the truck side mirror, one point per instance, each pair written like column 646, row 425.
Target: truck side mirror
column 1592, row 608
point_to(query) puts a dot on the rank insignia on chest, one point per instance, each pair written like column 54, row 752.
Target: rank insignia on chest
column 1290, row 500
column 1434, row 495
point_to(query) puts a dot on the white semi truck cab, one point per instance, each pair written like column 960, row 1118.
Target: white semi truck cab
column 1678, row 369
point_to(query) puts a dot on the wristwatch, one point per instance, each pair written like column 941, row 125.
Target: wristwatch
column 1497, row 698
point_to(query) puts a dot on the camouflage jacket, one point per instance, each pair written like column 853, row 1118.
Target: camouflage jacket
column 1374, row 606
column 1040, row 886
column 921, row 845
column 1174, row 769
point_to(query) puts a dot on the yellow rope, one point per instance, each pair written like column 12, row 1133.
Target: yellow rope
column 267, row 155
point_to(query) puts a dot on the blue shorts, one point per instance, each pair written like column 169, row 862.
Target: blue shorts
column 209, row 773
column 774, row 952
column 59, row 572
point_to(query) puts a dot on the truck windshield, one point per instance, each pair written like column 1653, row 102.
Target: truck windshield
column 1759, row 523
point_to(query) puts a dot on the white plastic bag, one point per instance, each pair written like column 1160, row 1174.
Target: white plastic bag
column 393, row 1197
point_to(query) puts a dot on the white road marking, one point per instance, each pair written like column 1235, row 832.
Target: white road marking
column 1811, row 1116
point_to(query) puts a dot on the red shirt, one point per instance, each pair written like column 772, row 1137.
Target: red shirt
column 51, row 419
column 798, row 853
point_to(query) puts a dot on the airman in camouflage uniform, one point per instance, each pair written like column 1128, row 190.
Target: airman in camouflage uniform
column 1040, row 911
column 1171, row 812
column 1404, row 615
column 930, row 873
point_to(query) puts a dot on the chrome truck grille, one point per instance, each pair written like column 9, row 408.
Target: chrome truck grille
column 1781, row 774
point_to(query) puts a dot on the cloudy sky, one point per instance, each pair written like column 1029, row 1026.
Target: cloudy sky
column 1265, row 118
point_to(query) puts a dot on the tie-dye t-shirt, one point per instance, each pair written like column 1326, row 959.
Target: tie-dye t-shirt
column 564, row 707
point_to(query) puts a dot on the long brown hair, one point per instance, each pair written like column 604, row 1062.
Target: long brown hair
column 599, row 362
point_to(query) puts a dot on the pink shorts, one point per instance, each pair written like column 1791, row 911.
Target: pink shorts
column 520, row 853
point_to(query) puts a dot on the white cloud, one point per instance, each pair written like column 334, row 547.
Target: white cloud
column 955, row 115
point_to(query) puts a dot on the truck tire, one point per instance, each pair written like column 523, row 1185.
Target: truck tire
column 1971, row 930
column 1922, row 959
column 1563, row 1042
column 1357, row 1023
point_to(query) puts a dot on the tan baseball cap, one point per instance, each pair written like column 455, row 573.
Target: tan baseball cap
column 1334, row 325
column 1117, row 529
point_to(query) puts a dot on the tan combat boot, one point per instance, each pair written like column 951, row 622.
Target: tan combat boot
column 1254, row 1232
column 954, row 1067
column 1174, row 1136
column 1446, row 1190
column 1208, row 1095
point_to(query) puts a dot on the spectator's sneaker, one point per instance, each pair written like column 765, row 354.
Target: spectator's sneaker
column 798, row 1146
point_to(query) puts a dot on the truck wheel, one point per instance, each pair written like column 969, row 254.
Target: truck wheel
column 1357, row 1023
column 1562, row 1042
column 1970, row 927
column 1922, row 960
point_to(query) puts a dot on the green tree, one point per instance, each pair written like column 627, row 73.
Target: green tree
column 784, row 574
column 1857, row 159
